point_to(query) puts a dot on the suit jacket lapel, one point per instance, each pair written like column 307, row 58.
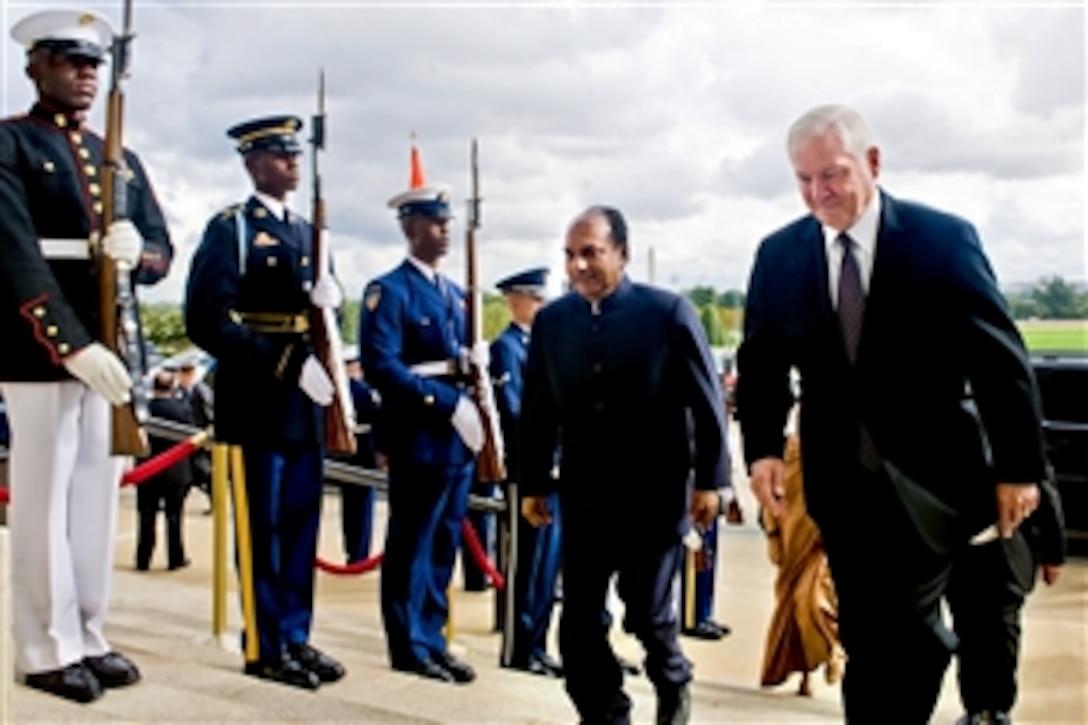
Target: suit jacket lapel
column 888, row 262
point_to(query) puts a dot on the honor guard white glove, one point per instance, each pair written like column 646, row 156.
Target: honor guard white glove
column 101, row 371
column 479, row 355
column 326, row 293
column 466, row 421
column 315, row 382
column 123, row 243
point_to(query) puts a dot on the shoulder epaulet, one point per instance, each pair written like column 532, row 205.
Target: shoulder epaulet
column 230, row 211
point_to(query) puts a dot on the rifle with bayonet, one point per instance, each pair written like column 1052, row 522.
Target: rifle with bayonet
column 119, row 329
column 490, row 466
column 324, row 329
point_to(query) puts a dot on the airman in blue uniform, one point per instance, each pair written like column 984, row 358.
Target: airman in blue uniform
column 535, row 570
column 250, row 290
column 412, row 337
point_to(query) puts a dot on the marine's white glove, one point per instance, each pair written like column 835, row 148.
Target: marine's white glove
column 315, row 382
column 123, row 243
column 466, row 421
column 326, row 293
column 479, row 355
column 101, row 371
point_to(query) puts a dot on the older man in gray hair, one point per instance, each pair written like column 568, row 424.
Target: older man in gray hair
column 904, row 464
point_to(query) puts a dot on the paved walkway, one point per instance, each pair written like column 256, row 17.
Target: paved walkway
column 163, row 620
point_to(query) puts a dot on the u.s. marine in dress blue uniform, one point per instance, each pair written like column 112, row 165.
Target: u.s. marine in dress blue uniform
column 63, row 478
column 411, row 336
column 535, row 568
column 249, row 293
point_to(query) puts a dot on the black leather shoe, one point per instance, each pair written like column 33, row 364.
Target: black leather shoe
column 986, row 717
column 707, row 629
column 425, row 668
column 113, row 669
column 287, row 670
column 537, row 666
column 74, row 682
column 179, row 564
column 326, row 668
column 674, row 706
column 461, row 671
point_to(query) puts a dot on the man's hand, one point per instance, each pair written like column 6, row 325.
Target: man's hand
column 315, row 382
column 123, row 243
column 705, row 507
column 1015, row 502
column 536, row 511
column 466, row 421
column 768, row 481
column 101, row 371
column 1051, row 572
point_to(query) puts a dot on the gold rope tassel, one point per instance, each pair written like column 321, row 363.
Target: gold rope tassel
column 219, row 539
column 245, row 553
column 689, row 589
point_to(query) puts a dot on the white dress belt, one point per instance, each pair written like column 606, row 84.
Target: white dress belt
column 65, row 248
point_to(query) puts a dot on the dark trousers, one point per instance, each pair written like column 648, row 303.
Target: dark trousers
column 284, row 490
column 357, row 520
column 426, row 506
column 889, row 584
column 985, row 595
column 483, row 522
column 151, row 495
column 645, row 581
column 532, row 594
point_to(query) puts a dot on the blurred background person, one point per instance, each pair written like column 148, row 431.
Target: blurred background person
column 164, row 491
column 357, row 501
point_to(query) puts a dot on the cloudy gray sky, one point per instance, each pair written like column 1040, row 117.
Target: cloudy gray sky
column 674, row 112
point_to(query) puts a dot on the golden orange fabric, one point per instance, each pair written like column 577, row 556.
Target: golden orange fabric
column 803, row 632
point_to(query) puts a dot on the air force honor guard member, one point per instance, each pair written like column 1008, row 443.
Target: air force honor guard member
column 534, row 573
column 251, row 287
column 58, row 380
column 411, row 338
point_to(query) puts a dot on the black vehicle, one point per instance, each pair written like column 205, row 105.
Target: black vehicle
column 1063, row 384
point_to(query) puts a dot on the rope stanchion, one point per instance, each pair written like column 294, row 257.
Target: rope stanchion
column 357, row 567
column 172, row 455
column 472, row 541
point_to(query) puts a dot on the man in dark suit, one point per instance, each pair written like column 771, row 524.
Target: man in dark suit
column 620, row 378
column 990, row 582
column 59, row 380
column 164, row 491
column 530, row 594
column 250, row 291
column 412, row 338
column 903, row 461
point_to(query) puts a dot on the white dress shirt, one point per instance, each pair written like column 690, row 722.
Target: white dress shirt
column 863, row 232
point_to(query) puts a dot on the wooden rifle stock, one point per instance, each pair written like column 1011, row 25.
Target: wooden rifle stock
column 490, row 466
column 118, row 327
column 324, row 330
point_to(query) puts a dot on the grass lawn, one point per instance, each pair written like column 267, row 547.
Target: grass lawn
column 1055, row 335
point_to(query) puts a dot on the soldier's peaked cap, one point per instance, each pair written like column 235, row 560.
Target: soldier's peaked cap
column 419, row 198
column 531, row 281
column 271, row 133
column 71, row 33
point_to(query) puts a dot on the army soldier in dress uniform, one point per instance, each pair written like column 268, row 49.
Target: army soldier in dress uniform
column 412, row 337
column 533, row 577
column 58, row 380
column 250, row 289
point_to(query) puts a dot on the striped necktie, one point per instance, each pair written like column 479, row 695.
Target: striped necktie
column 851, row 309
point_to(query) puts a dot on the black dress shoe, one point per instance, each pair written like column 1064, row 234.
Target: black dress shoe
column 179, row 564
column 287, row 670
column 425, row 668
column 986, row 717
column 545, row 661
column 707, row 629
column 461, row 671
column 113, row 669
column 74, row 682
column 326, row 668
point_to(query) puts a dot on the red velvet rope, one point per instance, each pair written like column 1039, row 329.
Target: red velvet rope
column 158, row 464
column 359, row 567
column 477, row 550
column 4, row 495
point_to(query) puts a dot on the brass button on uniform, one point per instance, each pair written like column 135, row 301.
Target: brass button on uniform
column 95, row 189
column 63, row 348
column 51, row 331
column 48, row 166
column 84, row 153
column 89, row 169
column 305, row 261
column 428, row 400
column 97, row 206
column 77, row 138
column 60, row 119
column 39, row 312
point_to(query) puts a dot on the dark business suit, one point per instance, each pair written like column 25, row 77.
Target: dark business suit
column 986, row 593
column 166, row 490
column 625, row 387
column 942, row 385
